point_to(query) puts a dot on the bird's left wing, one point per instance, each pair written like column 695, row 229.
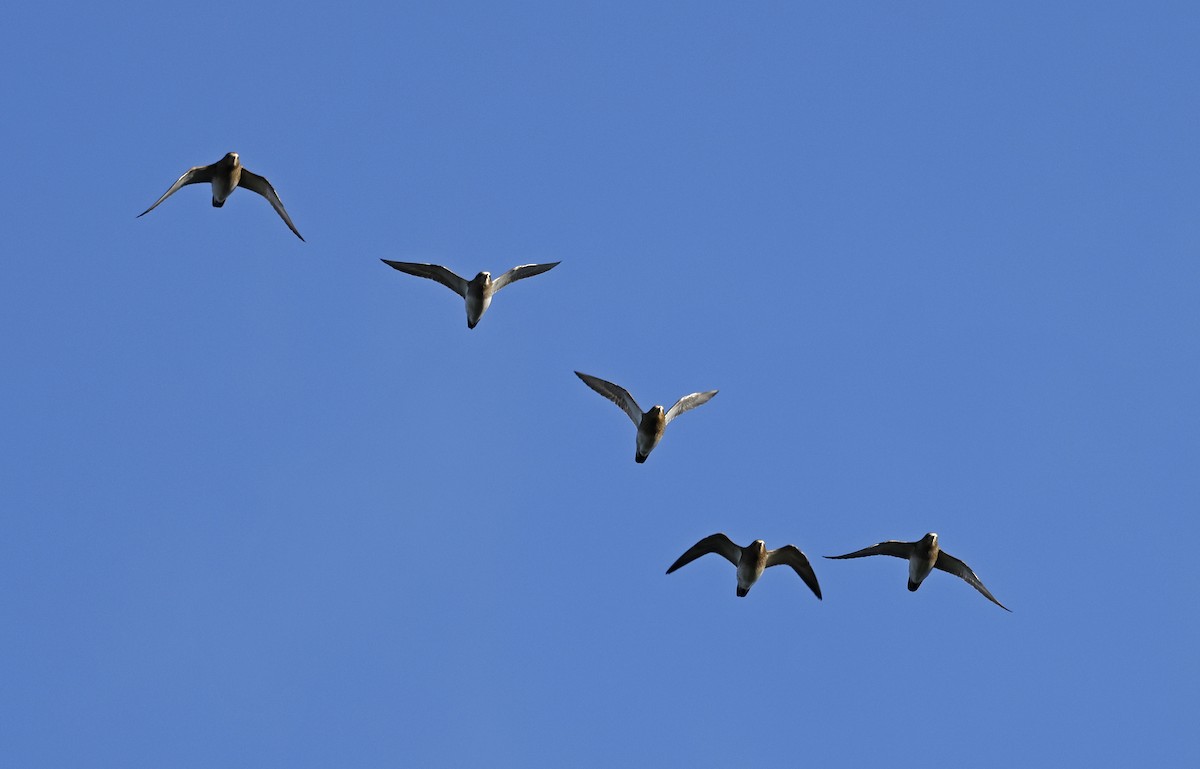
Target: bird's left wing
column 256, row 183
column 689, row 402
column 952, row 565
column 790, row 555
column 520, row 273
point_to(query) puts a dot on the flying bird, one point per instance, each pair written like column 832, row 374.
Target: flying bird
column 479, row 290
column 227, row 174
column 651, row 424
column 924, row 556
column 751, row 560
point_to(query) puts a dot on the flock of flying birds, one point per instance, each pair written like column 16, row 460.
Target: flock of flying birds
column 923, row 556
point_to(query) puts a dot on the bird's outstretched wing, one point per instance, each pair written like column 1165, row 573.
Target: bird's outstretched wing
column 197, row 175
column 256, row 183
column 520, row 273
column 790, row 555
column 689, row 402
column 891, row 547
column 714, row 543
column 616, row 394
column 433, row 272
column 952, row 565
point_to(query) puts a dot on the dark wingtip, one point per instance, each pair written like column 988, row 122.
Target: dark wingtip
column 912, row 586
column 742, row 593
column 639, row 458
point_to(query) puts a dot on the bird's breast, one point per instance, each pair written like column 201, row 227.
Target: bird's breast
column 223, row 184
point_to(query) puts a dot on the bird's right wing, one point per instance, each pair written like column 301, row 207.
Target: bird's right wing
column 891, row 547
column 616, row 394
column 197, row 175
column 715, row 543
column 433, row 272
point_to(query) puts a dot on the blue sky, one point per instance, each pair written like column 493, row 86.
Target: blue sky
column 270, row 503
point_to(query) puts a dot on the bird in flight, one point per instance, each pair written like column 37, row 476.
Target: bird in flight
column 479, row 290
column 226, row 175
column 751, row 560
column 650, row 424
column 923, row 557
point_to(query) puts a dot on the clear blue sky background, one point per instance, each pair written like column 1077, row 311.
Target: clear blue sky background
column 270, row 504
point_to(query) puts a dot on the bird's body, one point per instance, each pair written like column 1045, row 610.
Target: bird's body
column 922, row 560
column 649, row 432
column 751, row 560
column 225, row 176
column 223, row 185
column 650, row 424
